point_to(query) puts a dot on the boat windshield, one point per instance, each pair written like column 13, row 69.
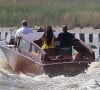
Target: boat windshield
column 30, row 47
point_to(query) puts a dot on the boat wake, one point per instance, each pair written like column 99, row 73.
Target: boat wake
column 5, row 68
column 94, row 68
column 88, row 80
column 84, row 81
column 4, row 64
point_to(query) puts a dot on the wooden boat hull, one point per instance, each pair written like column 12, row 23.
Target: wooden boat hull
column 67, row 69
column 26, row 65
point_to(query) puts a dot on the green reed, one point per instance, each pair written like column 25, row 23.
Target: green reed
column 73, row 15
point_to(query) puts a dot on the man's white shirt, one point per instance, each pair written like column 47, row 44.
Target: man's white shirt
column 23, row 30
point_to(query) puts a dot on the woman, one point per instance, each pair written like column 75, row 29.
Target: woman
column 48, row 38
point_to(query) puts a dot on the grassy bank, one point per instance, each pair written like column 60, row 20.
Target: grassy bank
column 53, row 13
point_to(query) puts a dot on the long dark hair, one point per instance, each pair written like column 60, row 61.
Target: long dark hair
column 48, row 35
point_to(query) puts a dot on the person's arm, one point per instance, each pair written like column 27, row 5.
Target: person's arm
column 72, row 36
column 40, row 40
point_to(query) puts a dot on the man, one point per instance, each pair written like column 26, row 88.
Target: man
column 65, row 38
column 24, row 29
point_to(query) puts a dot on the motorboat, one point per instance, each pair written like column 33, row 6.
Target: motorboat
column 27, row 56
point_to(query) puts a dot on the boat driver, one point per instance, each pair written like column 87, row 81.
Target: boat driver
column 24, row 29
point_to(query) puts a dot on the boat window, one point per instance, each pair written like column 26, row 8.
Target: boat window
column 82, row 37
column 24, row 44
column 99, row 37
column 91, row 37
column 6, row 33
column 99, row 50
column 0, row 35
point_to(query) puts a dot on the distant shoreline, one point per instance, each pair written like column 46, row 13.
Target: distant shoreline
column 79, row 30
column 59, row 29
column 74, row 13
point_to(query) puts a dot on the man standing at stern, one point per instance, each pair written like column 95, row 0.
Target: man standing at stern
column 24, row 29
